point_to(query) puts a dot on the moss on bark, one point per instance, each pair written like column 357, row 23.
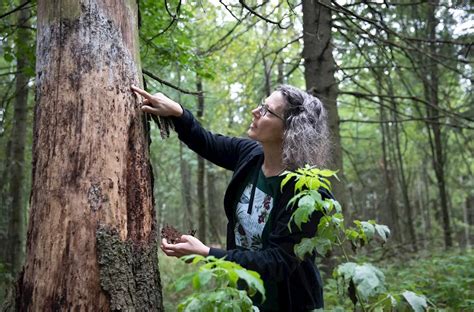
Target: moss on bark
column 128, row 272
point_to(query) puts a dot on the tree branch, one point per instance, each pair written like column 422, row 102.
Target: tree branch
column 169, row 84
column 18, row 8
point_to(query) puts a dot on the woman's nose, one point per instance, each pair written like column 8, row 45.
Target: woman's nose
column 256, row 112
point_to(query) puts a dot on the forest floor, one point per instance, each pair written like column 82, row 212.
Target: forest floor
column 445, row 278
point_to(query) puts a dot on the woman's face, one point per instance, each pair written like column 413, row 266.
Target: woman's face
column 268, row 129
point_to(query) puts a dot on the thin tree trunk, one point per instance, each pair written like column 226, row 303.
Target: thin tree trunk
column 281, row 74
column 186, row 191
column 469, row 211
column 391, row 216
column 427, row 214
column 5, row 204
column 267, row 73
column 403, row 180
column 16, row 229
column 215, row 214
column 319, row 71
column 92, row 235
column 202, row 230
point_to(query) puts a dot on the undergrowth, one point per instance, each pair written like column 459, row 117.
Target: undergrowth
column 446, row 278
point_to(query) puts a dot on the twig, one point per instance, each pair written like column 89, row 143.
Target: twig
column 169, row 84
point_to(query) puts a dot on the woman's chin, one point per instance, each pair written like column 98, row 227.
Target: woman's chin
column 251, row 133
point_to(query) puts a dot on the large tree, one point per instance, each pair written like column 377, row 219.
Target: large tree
column 319, row 69
column 92, row 237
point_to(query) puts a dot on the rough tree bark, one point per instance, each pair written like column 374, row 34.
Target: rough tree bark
column 91, row 242
column 202, row 215
column 319, row 71
column 18, row 135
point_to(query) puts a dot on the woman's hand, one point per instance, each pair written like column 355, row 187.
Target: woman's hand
column 188, row 245
column 158, row 104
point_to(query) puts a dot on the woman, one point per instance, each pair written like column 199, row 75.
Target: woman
column 288, row 130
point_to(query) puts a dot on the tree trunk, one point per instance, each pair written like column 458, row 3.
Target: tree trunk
column 431, row 93
column 186, row 191
column 281, row 74
column 5, row 204
column 267, row 74
column 18, row 135
column 402, row 177
column 91, row 242
column 215, row 214
column 319, row 67
column 469, row 220
column 427, row 208
column 390, row 209
column 202, row 230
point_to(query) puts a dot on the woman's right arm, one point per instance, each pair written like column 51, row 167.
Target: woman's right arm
column 221, row 150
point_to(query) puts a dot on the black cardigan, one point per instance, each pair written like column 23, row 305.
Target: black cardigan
column 299, row 283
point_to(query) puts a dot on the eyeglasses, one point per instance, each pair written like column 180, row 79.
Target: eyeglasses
column 263, row 110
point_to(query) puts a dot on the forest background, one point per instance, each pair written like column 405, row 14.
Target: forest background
column 396, row 77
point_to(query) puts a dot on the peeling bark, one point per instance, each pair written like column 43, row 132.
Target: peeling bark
column 92, row 192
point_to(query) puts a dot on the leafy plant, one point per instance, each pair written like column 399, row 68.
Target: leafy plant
column 219, row 286
column 362, row 282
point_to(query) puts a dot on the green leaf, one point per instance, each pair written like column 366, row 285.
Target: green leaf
column 306, row 246
column 337, row 206
column 337, row 219
column 383, row 231
column 196, row 282
column 286, row 179
column 368, row 228
column 369, row 280
column 195, row 259
column 307, row 201
column 327, row 173
column 387, row 302
column 313, row 183
column 183, row 281
column 299, row 184
column 233, row 278
column 417, row 302
column 316, row 196
column 253, row 280
column 295, row 198
column 301, row 215
column 345, row 270
column 323, row 245
column 204, row 277
column 8, row 57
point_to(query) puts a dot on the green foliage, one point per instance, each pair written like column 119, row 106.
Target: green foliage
column 448, row 278
column 363, row 283
column 217, row 285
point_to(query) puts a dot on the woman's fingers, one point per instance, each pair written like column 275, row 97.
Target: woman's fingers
column 142, row 92
column 150, row 110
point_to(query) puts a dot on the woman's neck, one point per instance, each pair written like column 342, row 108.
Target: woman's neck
column 273, row 162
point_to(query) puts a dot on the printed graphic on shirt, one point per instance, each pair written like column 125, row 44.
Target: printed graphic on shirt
column 249, row 227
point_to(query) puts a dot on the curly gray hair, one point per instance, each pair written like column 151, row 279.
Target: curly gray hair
column 306, row 136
